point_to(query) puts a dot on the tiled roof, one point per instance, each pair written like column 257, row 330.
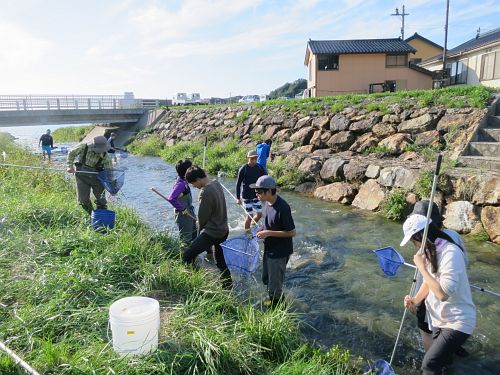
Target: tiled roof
column 418, row 36
column 420, row 69
column 342, row 47
column 480, row 41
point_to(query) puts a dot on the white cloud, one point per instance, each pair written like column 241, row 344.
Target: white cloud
column 19, row 48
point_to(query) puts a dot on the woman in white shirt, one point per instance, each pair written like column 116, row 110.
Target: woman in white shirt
column 446, row 291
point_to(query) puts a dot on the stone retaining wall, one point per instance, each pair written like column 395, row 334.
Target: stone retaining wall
column 333, row 152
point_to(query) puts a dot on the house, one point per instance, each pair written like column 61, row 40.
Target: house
column 475, row 62
column 353, row 66
column 425, row 48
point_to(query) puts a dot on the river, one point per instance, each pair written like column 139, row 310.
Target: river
column 334, row 279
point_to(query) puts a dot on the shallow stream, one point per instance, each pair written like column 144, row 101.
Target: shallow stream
column 334, row 278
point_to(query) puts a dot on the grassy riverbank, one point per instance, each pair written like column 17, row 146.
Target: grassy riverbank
column 58, row 279
column 71, row 133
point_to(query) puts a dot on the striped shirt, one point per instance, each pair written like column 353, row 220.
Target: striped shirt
column 92, row 159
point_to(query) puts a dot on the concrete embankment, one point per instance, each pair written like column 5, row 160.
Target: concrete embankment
column 361, row 157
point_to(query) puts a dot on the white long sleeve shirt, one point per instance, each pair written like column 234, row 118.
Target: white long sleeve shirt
column 458, row 312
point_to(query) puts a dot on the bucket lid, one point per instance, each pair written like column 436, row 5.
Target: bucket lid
column 134, row 308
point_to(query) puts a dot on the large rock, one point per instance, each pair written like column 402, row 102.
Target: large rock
column 270, row 132
column 286, row 147
column 370, row 196
column 454, row 120
column 383, row 130
column 397, row 177
column 341, row 141
column 487, row 191
column 321, row 122
column 373, row 171
column 430, row 138
column 418, row 125
column 303, row 136
column 461, row 216
column 396, row 142
column 294, row 159
column 283, row 135
column 490, row 217
column 306, row 188
column 361, row 126
column 277, row 120
column 338, row 123
column 332, row 169
column 307, row 149
column 364, row 142
column 355, row 171
column 310, row 165
column 319, row 138
column 337, row 192
column 304, row 121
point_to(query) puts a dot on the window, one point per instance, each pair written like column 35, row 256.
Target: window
column 490, row 66
column 458, row 72
column 396, row 60
column 328, row 62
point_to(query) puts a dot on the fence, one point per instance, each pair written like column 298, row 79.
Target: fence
column 72, row 102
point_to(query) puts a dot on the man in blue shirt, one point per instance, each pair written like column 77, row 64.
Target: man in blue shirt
column 278, row 233
column 264, row 152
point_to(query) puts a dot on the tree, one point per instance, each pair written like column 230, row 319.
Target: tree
column 289, row 89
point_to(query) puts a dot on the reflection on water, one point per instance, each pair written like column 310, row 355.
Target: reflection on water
column 334, row 278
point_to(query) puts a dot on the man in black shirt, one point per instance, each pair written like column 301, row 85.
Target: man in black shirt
column 247, row 175
column 47, row 143
column 278, row 233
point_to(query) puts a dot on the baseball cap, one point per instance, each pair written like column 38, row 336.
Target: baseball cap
column 100, row 144
column 252, row 154
column 421, row 208
column 264, row 182
column 413, row 224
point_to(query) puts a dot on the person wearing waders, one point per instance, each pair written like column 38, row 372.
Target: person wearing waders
column 247, row 175
column 278, row 236
column 90, row 158
column 445, row 289
column 47, row 143
column 421, row 208
column 212, row 222
column 263, row 152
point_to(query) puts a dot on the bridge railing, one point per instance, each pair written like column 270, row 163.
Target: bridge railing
column 67, row 102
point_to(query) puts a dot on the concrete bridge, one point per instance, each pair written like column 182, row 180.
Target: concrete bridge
column 75, row 109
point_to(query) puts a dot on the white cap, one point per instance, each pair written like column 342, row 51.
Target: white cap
column 414, row 224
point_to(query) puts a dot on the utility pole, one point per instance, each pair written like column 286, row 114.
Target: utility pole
column 445, row 38
column 403, row 14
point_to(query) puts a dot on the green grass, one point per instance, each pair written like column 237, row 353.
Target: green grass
column 152, row 145
column 71, row 134
column 58, row 279
column 394, row 206
column 285, row 175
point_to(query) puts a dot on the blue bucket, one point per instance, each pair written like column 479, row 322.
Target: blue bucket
column 102, row 219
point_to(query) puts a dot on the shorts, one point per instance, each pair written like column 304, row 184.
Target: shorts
column 47, row 149
column 253, row 205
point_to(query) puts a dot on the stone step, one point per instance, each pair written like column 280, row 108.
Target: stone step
column 481, row 162
column 491, row 149
column 489, row 135
column 494, row 122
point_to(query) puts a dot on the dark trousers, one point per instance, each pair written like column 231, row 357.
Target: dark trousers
column 203, row 243
column 445, row 342
column 187, row 227
column 273, row 275
column 86, row 183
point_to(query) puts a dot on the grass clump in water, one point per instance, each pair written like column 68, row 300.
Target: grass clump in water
column 71, row 133
column 394, row 206
column 58, row 278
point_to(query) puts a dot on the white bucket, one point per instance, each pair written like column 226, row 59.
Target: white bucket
column 135, row 324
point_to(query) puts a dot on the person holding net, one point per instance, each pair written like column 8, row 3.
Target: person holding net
column 446, row 291
column 86, row 161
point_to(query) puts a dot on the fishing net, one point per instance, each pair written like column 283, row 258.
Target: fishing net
column 241, row 254
column 380, row 367
column 112, row 179
column 389, row 260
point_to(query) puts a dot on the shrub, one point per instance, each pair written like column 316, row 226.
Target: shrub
column 394, row 206
column 149, row 146
column 423, row 185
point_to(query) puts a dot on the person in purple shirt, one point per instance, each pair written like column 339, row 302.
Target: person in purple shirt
column 181, row 198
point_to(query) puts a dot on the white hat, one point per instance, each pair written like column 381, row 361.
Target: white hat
column 414, row 224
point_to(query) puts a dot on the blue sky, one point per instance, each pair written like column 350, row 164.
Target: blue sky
column 216, row 47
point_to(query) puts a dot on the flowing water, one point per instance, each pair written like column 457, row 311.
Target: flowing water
column 334, row 279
